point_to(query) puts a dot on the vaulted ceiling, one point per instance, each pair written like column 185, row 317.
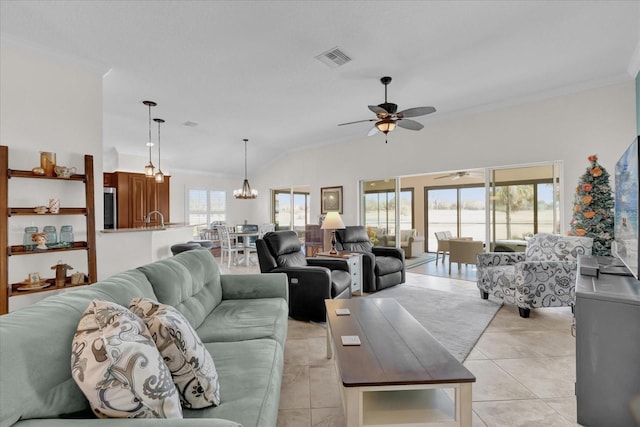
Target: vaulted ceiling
column 248, row 69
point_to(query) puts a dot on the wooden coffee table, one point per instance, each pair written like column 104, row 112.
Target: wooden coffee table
column 399, row 374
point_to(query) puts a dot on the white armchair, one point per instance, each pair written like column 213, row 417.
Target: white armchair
column 542, row 276
column 412, row 243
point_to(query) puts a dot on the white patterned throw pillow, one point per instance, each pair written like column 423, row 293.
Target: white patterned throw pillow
column 191, row 365
column 117, row 366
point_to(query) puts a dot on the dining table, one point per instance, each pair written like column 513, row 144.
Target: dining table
column 246, row 244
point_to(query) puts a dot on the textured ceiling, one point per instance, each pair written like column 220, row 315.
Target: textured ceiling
column 247, row 69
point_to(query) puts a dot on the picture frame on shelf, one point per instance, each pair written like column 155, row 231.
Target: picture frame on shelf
column 331, row 199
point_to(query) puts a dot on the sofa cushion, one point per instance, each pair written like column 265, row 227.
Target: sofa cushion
column 189, row 281
column 250, row 374
column 117, row 366
column 192, row 367
column 245, row 319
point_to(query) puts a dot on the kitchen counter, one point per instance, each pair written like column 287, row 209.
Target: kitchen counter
column 168, row 226
column 125, row 248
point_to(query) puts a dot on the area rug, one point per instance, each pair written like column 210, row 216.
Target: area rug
column 456, row 321
column 418, row 260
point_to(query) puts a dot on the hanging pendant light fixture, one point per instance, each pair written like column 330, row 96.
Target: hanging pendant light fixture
column 159, row 175
column 149, row 168
column 245, row 192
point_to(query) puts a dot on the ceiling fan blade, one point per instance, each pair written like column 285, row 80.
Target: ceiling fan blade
column 358, row 121
column 415, row 112
column 373, row 131
column 409, row 124
column 379, row 111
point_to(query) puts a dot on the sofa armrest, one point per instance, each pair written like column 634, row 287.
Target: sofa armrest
column 248, row 286
column 492, row 259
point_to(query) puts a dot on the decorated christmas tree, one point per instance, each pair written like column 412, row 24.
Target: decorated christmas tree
column 593, row 208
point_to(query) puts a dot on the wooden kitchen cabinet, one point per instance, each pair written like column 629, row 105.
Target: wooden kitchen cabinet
column 138, row 195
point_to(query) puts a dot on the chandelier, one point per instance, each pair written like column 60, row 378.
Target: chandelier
column 245, row 192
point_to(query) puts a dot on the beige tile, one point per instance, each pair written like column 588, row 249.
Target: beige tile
column 296, row 352
column 526, row 344
column 476, row 354
column 508, row 319
column 294, row 392
column 324, row 387
column 299, row 330
column 565, row 406
column 476, row 421
column 519, row 413
column 294, row 418
column 318, row 352
column 546, row 377
column 327, row 417
column 493, row 383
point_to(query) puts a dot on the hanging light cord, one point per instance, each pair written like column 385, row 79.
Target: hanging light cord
column 245, row 158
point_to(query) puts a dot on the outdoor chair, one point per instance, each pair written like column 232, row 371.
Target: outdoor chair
column 542, row 276
column 464, row 252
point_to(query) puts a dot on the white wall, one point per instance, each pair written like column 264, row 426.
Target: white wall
column 47, row 106
column 567, row 128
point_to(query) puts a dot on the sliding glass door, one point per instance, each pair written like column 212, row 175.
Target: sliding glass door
column 457, row 209
column 387, row 209
column 291, row 209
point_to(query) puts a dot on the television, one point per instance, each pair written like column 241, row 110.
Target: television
column 625, row 245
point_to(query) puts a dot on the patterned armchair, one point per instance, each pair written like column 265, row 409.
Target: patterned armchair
column 542, row 276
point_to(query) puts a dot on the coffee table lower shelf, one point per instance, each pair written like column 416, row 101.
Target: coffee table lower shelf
column 428, row 405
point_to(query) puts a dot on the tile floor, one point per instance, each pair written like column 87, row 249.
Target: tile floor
column 525, row 368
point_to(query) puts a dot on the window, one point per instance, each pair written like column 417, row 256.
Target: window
column 291, row 209
column 460, row 210
column 206, row 206
column 380, row 214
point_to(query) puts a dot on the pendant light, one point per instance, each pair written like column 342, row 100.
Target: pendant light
column 245, row 192
column 149, row 168
column 159, row 175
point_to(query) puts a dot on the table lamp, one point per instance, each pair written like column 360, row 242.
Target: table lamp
column 332, row 222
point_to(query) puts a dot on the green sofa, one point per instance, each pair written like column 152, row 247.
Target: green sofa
column 242, row 320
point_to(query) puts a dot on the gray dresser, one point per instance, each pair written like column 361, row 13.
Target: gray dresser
column 607, row 315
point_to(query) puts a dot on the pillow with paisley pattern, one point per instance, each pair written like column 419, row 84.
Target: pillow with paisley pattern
column 117, row 366
column 191, row 365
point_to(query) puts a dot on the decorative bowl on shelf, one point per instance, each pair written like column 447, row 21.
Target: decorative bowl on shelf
column 64, row 171
column 40, row 210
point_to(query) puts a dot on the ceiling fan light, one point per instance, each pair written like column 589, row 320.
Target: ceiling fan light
column 386, row 126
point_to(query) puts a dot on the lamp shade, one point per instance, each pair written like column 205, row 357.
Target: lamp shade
column 332, row 221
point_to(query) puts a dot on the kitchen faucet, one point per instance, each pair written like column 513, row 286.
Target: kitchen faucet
column 147, row 219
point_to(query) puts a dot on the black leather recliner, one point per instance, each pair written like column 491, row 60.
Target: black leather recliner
column 311, row 280
column 382, row 267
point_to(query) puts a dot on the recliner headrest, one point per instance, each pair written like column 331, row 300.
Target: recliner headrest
column 354, row 233
column 282, row 242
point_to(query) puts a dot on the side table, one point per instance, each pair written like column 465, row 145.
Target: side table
column 354, row 261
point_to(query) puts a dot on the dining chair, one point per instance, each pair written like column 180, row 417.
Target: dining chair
column 228, row 245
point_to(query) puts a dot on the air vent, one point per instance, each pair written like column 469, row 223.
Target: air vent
column 334, row 57
column 191, row 124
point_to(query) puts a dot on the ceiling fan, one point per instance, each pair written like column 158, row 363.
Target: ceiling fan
column 387, row 117
column 461, row 174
